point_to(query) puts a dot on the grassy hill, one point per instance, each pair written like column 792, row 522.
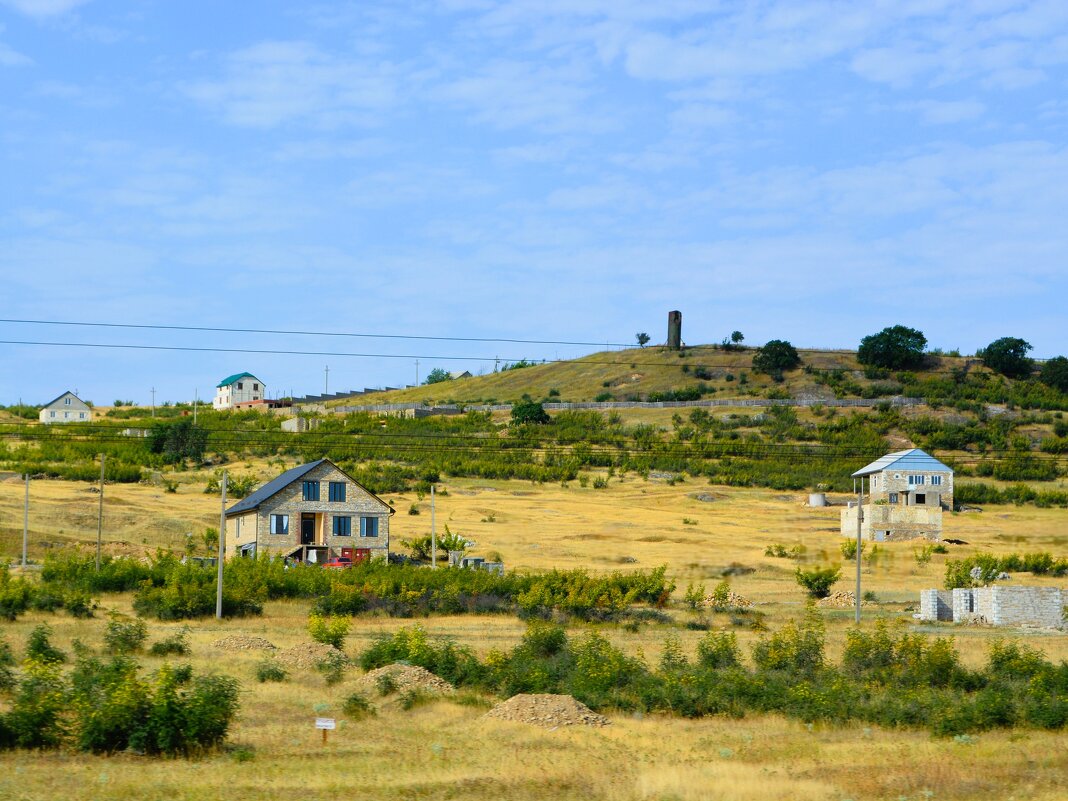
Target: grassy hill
column 709, row 371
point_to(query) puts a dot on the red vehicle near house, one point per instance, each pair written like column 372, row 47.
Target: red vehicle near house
column 338, row 564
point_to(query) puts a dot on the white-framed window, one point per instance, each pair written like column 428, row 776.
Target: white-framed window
column 368, row 526
column 280, row 525
column 893, row 497
column 917, row 480
column 51, row 414
column 936, row 481
column 66, row 401
column 81, row 415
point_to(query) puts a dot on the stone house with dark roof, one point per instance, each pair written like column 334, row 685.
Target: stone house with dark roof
column 314, row 512
column 907, row 491
column 238, row 388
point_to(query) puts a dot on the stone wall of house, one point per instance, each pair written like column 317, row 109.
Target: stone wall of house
column 896, row 481
column 998, row 606
column 902, row 522
column 936, row 605
column 1027, row 606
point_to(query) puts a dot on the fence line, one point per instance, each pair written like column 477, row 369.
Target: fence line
column 896, row 400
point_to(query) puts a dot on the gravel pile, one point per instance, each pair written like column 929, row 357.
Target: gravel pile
column 734, row 601
column 307, row 655
column 238, row 643
column 546, row 710
column 840, row 600
column 405, row 678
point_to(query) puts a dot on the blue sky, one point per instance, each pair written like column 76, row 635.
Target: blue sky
column 559, row 169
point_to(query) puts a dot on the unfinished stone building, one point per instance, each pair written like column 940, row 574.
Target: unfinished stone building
column 907, row 491
column 1042, row 607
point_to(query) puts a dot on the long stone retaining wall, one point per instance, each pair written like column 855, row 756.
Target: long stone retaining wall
column 699, row 404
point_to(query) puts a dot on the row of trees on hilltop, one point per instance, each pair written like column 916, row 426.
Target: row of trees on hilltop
column 902, row 348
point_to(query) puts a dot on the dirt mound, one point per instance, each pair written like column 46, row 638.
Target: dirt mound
column 840, row 600
column 546, row 710
column 238, row 643
column 734, row 601
column 405, row 678
column 306, row 655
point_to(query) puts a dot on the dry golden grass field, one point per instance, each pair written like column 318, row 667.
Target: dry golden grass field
column 445, row 750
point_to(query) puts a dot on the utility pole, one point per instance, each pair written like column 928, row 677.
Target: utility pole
column 417, row 372
column 433, row 533
column 326, row 381
column 100, row 514
column 153, row 401
column 860, row 519
column 222, row 551
column 26, row 522
column 196, row 398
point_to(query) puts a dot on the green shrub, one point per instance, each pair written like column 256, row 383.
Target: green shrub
column 175, row 645
column 7, row 663
column 333, row 667
column 269, row 670
column 37, row 715
column 795, row 648
column 40, row 649
column 357, row 707
column 695, row 596
column 124, row 635
column 385, row 684
column 442, row 657
column 718, row 650
column 328, row 630
column 817, row 582
column 721, row 596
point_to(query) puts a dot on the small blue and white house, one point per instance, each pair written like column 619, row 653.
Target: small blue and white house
column 907, row 491
column 314, row 512
column 238, row 388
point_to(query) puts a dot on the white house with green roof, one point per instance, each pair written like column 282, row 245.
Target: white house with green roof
column 238, row 388
column 906, row 493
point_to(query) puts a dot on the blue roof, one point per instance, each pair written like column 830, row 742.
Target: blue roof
column 911, row 460
column 271, row 487
column 231, row 379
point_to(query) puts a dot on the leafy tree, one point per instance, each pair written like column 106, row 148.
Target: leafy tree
column 177, row 441
column 437, row 375
column 737, row 337
column 1055, row 373
column 529, row 411
column 1008, row 356
column 817, row 581
column 643, row 339
column 775, row 357
column 895, row 348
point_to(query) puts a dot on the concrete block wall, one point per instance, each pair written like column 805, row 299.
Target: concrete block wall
column 1026, row 606
column 936, row 605
column 998, row 606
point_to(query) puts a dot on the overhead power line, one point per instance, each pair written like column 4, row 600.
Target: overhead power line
column 405, row 356
column 350, row 334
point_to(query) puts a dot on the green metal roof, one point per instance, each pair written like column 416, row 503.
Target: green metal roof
column 231, row 379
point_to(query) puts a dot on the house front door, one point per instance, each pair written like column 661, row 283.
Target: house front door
column 307, row 529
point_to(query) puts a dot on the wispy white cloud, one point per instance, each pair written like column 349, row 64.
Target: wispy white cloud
column 279, row 82
column 936, row 112
column 43, row 8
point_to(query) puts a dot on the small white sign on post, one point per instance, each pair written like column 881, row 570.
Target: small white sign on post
column 325, row 724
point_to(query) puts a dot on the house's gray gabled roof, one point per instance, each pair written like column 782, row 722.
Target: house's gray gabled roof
column 911, row 460
column 278, row 484
column 68, row 392
column 250, row 502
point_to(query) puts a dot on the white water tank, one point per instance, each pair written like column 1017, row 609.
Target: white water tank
column 817, row 499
